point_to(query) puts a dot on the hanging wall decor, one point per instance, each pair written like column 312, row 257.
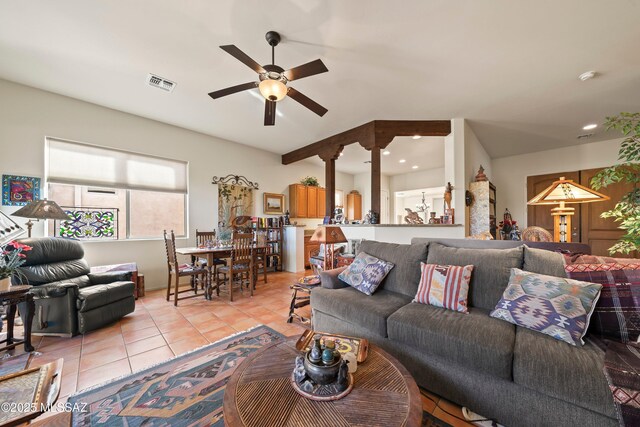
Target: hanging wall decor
column 19, row 190
column 235, row 199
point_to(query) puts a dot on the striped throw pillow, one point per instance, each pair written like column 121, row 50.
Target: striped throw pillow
column 444, row 286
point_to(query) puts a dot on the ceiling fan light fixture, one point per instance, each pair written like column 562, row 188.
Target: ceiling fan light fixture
column 272, row 90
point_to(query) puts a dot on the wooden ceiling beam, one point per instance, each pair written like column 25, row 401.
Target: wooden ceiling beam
column 378, row 133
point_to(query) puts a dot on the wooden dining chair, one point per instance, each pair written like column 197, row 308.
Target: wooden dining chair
column 239, row 269
column 203, row 238
column 260, row 260
column 176, row 271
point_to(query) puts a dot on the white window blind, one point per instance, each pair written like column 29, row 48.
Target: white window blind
column 83, row 164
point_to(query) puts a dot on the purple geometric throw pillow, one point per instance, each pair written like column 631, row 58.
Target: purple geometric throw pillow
column 366, row 273
column 555, row 306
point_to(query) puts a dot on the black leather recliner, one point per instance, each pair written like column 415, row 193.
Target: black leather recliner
column 69, row 299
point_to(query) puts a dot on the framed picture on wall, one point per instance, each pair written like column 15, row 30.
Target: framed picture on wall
column 273, row 203
column 19, row 190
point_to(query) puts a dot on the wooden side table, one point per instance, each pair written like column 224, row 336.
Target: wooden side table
column 11, row 298
column 301, row 297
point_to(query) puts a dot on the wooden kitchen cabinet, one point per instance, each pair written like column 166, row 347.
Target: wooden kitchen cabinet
column 322, row 203
column 298, row 201
column 306, row 201
column 354, row 206
column 309, row 247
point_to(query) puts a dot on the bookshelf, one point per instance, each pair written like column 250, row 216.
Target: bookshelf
column 267, row 231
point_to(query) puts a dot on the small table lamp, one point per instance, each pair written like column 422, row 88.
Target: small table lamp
column 563, row 192
column 329, row 235
column 41, row 209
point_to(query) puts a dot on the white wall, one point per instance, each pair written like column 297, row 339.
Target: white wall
column 362, row 183
column 509, row 174
column 475, row 155
column 28, row 115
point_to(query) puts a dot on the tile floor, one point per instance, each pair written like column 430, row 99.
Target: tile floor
column 157, row 331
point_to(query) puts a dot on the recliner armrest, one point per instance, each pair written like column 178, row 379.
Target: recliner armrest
column 110, row 277
column 329, row 279
column 54, row 291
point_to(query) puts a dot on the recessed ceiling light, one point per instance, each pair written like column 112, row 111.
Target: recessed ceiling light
column 341, row 154
column 386, row 152
column 414, row 167
column 591, row 126
column 402, row 160
column 416, row 137
column 587, row 75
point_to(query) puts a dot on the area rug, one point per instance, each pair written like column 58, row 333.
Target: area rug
column 184, row 391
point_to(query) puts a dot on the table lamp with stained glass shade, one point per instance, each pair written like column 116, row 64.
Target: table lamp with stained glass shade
column 41, row 209
column 328, row 235
column 563, row 192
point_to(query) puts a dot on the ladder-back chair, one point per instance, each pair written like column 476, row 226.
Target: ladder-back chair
column 176, row 271
column 240, row 266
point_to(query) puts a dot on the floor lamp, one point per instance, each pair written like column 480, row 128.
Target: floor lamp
column 563, row 192
column 41, row 209
column 328, row 235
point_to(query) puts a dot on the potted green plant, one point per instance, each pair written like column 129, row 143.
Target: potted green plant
column 10, row 259
column 627, row 210
column 311, row 181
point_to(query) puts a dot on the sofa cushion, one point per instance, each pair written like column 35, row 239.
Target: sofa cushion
column 572, row 374
column 366, row 273
column 551, row 305
column 544, row 262
column 473, row 340
column 405, row 276
column 349, row 304
column 491, row 270
column 96, row 296
column 444, row 286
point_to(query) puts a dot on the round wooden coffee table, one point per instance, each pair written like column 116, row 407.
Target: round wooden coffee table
column 259, row 394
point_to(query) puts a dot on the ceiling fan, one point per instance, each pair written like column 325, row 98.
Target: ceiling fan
column 273, row 80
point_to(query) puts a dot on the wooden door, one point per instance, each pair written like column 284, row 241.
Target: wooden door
column 602, row 233
column 541, row 215
column 322, row 203
column 312, row 202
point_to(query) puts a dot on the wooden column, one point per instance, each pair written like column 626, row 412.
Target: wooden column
column 375, row 180
column 329, row 156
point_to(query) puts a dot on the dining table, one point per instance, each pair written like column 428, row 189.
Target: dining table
column 219, row 252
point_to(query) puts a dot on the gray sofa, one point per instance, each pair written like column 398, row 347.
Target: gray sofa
column 511, row 374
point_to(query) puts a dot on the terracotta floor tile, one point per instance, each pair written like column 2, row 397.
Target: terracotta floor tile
column 145, row 344
column 135, row 325
column 245, row 324
column 56, row 343
column 103, row 373
column 151, row 357
column 140, row 334
column 102, row 344
column 181, row 334
column 101, row 357
column 210, row 325
column 186, row 345
column 100, row 334
column 219, row 333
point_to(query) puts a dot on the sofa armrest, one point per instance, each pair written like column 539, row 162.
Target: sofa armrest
column 329, row 279
column 54, row 291
column 110, row 277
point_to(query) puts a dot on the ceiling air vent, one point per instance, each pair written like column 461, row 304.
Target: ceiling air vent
column 160, row 82
column 584, row 136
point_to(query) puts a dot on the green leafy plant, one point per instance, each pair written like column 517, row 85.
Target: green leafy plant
column 627, row 210
column 311, row 181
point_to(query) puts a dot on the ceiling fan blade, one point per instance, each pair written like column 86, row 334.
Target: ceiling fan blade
column 306, row 70
column 307, row 102
column 269, row 112
column 243, row 57
column 233, row 89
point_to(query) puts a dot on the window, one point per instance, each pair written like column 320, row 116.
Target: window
column 113, row 194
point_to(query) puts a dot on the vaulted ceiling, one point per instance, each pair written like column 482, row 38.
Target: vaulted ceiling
column 509, row 67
